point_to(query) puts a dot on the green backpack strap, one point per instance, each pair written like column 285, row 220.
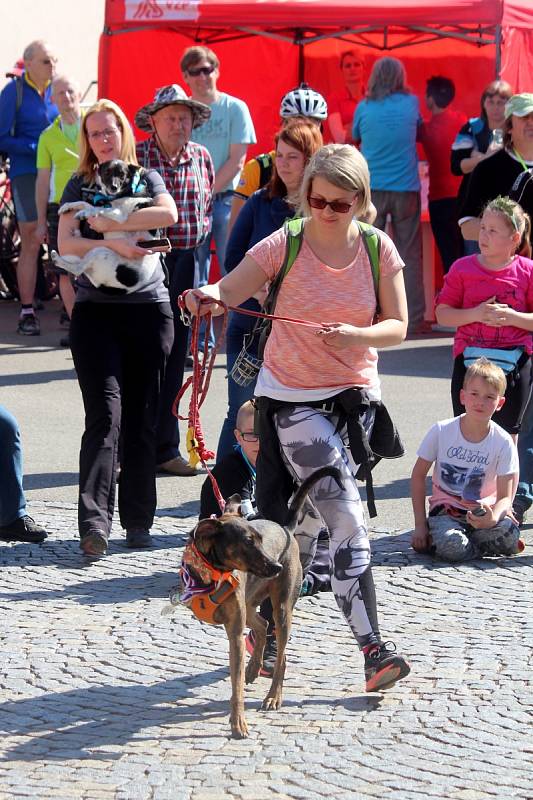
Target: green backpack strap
column 372, row 245
column 294, row 229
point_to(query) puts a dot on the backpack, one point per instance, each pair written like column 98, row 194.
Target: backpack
column 265, row 168
column 247, row 365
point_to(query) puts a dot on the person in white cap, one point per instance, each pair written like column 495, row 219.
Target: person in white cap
column 188, row 172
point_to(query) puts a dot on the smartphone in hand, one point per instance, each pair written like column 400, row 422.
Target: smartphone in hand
column 156, row 245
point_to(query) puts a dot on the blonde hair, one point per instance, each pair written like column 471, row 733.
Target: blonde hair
column 343, row 166
column 487, row 371
column 245, row 411
column 387, row 77
column 516, row 220
column 88, row 161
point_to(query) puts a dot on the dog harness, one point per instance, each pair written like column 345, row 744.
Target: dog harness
column 204, row 587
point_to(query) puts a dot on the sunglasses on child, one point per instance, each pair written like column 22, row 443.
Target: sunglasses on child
column 201, row 71
column 336, row 205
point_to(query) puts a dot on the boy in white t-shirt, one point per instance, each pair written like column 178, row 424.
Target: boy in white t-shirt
column 474, row 477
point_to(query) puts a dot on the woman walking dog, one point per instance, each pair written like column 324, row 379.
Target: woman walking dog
column 119, row 344
column 319, row 385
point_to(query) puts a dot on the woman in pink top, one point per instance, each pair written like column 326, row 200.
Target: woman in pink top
column 319, row 388
column 489, row 297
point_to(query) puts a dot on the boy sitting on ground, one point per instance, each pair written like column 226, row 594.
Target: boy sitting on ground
column 474, row 478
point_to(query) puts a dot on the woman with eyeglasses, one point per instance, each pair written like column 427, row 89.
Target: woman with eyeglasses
column 262, row 214
column 319, row 388
column 119, row 344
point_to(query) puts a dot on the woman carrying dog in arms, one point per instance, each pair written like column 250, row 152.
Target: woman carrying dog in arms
column 317, row 386
column 119, row 341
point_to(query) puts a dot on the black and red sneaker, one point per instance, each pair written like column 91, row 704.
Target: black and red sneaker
column 270, row 653
column 384, row 667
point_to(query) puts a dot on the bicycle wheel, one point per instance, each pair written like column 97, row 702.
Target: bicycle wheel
column 9, row 246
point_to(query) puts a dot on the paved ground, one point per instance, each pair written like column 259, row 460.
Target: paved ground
column 102, row 697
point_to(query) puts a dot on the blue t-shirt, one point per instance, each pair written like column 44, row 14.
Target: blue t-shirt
column 387, row 131
column 230, row 123
column 34, row 114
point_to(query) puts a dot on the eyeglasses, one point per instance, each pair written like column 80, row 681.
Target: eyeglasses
column 249, row 436
column 201, row 71
column 108, row 133
column 336, row 205
column 48, row 61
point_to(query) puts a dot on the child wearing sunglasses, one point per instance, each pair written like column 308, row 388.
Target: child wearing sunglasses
column 318, row 391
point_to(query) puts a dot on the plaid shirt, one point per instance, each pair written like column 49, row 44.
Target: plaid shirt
column 190, row 182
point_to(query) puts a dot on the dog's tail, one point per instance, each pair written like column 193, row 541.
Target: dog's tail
column 299, row 498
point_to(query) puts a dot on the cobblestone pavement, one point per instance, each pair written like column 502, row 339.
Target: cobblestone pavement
column 102, row 697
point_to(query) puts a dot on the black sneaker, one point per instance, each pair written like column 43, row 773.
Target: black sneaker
column 270, row 653
column 94, row 543
column 24, row 529
column 383, row 667
column 29, row 325
column 138, row 539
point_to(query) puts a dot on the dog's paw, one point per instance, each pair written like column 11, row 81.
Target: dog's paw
column 85, row 213
column 252, row 671
column 239, row 728
column 272, row 703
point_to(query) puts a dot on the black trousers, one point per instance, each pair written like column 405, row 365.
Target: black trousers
column 443, row 218
column 119, row 352
column 181, row 268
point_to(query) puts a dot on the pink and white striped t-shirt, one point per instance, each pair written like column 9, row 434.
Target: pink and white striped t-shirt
column 295, row 356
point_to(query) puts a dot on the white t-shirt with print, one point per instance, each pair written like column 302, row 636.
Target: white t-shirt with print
column 465, row 473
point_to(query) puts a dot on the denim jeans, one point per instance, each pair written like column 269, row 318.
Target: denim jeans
column 219, row 232
column 12, row 501
column 404, row 211
column 181, row 267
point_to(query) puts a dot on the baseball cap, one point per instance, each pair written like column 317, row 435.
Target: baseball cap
column 519, row 104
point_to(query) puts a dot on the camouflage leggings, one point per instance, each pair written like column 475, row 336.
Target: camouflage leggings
column 453, row 539
column 308, row 441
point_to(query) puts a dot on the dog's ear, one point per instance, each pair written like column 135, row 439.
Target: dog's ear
column 132, row 170
column 206, row 530
column 233, row 505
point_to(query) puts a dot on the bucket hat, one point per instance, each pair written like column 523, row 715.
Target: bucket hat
column 169, row 96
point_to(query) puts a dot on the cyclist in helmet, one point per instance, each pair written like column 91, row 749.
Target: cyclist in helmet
column 301, row 102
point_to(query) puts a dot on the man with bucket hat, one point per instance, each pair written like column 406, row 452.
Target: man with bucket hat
column 189, row 175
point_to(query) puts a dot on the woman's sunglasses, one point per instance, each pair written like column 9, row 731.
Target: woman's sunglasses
column 201, row 71
column 336, row 205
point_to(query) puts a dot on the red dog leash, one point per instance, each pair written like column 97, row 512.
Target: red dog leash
column 201, row 377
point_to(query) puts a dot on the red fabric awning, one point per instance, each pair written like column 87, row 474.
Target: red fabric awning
column 304, row 13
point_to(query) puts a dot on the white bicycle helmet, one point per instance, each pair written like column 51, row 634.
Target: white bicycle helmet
column 303, row 102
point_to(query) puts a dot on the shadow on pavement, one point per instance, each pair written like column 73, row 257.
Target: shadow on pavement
column 49, row 480
column 29, row 378
column 413, row 362
column 88, row 720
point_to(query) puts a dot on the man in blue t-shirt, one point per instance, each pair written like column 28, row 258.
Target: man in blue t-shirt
column 26, row 109
column 226, row 135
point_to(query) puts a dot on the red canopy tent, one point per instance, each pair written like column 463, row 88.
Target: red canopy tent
column 266, row 48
